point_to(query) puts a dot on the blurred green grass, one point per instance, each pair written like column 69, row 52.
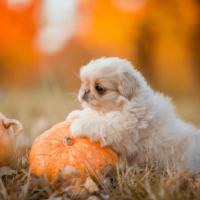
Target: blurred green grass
column 40, row 107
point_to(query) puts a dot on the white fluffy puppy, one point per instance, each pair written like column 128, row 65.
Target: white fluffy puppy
column 123, row 112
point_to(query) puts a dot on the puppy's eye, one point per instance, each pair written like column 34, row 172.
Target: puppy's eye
column 100, row 90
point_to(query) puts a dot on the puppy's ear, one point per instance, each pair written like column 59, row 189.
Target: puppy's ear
column 128, row 85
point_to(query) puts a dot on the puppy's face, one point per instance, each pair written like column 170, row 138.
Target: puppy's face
column 98, row 90
column 103, row 83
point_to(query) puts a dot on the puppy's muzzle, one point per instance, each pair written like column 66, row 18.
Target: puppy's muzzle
column 85, row 95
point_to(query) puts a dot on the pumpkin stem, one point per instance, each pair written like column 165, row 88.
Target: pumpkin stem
column 67, row 141
column 9, row 122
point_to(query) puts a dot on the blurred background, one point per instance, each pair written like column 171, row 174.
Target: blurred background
column 43, row 43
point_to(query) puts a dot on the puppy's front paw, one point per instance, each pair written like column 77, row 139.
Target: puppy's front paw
column 77, row 129
column 73, row 115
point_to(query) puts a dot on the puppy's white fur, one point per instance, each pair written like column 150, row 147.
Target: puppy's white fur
column 132, row 119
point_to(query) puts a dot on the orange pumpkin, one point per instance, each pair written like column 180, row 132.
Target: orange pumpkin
column 57, row 148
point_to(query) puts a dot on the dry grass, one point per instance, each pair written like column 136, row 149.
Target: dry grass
column 141, row 183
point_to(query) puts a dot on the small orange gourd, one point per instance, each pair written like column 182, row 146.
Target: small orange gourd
column 57, row 148
column 7, row 139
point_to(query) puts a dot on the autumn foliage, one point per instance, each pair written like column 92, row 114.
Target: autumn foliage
column 17, row 32
column 161, row 39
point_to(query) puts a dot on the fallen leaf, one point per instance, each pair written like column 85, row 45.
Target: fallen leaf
column 6, row 171
column 109, row 171
column 68, row 176
column 90, row 185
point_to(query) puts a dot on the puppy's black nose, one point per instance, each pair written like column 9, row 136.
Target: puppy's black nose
column 87, row 91
column 85, row 95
